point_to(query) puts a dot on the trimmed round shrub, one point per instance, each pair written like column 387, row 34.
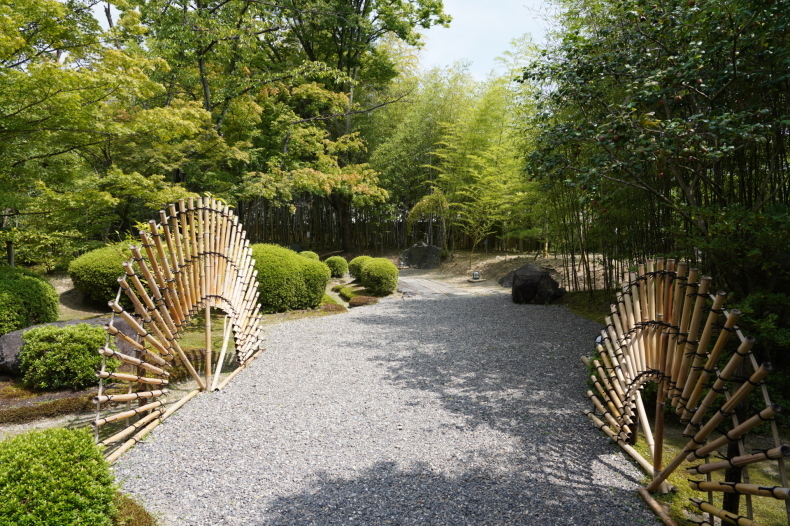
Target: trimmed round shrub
column 62, row 357
column 355, row 266
column 337, row 265
column 309, row 254
column 286, row 280
column 55, row 477
column 380, row 276
column 96, row 273
column 25, row 299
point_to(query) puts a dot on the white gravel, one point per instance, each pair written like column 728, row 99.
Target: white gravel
column 430, row 410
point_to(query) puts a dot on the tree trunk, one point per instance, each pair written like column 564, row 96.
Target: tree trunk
column 342, row 205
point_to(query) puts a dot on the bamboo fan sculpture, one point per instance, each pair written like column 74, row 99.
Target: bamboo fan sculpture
column 196, row 258
column 662, row 330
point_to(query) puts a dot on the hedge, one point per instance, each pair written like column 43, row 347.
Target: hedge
column 62, row 357
column 379, row 276
column 337, row 265
column 288, row 281
column 55, row 477
column 96, row 273
column 25, row 299
column 355, row 266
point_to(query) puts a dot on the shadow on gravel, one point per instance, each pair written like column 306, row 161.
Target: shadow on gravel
column 387, row 495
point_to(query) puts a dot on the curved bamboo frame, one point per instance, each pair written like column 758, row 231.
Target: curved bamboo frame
column 659, row 332
column 197, row 257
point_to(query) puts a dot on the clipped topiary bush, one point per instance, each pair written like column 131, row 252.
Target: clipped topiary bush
column 96, row 273
column 62, row 357
column 55, row 477
column 355, row 266
column 380, row 276
column 337, row 265
column 309, row 254
column 25, row 299
column 286, row 280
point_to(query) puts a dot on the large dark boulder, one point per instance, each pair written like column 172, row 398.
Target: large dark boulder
column 422, row 255
column 11, row 343
column 535, row 287
column 507, row 279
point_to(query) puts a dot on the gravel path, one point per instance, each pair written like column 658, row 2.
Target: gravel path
column 430, row 410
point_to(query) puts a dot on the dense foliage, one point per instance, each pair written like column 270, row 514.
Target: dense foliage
column 55, row 477
column 338, row 266
column 287, row 280
column 309, row 254
column 63, row 357
column 96, row 273
column 355, row 266
column 25, row 299
column 379, row 276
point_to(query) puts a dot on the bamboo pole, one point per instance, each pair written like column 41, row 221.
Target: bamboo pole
column 742, row 489
column 132, row 428
column 130, row 396
column 740, row 461
column 725, row 515
column 227, row 330
column 734, row 434
column 657, row 508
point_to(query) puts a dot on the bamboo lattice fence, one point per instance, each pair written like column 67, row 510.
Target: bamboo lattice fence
column 196, row 258
column 667, row 328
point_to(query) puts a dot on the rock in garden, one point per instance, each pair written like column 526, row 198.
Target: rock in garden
column 507, row 279
column 422, row 255
column 535, row 287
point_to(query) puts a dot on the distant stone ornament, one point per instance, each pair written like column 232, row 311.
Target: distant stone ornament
column 421, row 255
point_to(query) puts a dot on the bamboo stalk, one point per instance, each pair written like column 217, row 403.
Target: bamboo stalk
column 709, row 367
column 725, row 515
column 132, row 378
column 227, row 330
column 622, row 443
column 127, row 414
column 117, row 437
column 130, row 396
column 656, row 507
column 735, row 433
column 700, row 357
column 134, row 361
column 742, row 489
column 740, row 461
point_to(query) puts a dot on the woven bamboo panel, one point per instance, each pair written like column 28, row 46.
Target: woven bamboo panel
column 196, row 258
column 668, row 329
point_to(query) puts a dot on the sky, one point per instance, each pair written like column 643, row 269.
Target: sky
column 481, row 31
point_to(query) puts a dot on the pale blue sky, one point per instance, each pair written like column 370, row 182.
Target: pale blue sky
column 482, row 30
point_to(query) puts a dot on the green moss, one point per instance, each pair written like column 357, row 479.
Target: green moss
column 25, row 299
column 360, row 301
column 131, row 513
column 53, row 409
column 55, row 477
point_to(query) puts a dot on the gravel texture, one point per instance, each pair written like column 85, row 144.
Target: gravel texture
column 430, row 410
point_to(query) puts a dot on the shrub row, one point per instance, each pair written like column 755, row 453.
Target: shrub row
column 25, row 299
column 288, row 281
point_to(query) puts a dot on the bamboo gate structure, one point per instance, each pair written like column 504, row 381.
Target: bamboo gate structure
column 667, row 328
column 196, row 258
